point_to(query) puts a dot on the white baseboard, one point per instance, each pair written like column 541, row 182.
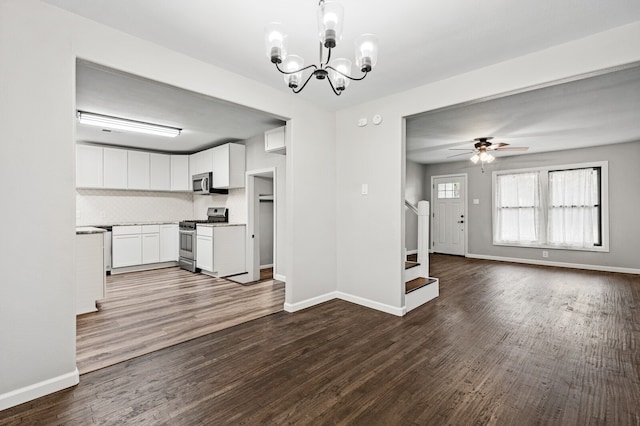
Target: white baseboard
column 146, row 267
column 266, row 266
column 36, row 390
column 295, row 307
column 412, row 251
column 397, row 311
column 558, row 264
column 280, row 277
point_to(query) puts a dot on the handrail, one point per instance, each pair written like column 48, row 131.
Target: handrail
column 411, row 206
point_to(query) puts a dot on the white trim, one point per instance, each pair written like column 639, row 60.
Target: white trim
column 280, row 277
column 412, row 251
column 36, row 390
column 557, row 264
column 270, row 265
column 295, row 307
column 466, row 209
column 393, row 310
column 144, row 267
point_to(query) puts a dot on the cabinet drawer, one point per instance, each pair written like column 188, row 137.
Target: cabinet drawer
column 206, row 231
column 150, row 229
column 127, row 230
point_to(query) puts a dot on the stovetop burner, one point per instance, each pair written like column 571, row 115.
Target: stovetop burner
column 214, row 215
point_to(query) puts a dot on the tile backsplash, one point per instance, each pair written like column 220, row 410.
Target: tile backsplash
column 108, row 207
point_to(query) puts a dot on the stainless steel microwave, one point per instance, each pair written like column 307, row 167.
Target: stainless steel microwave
column 202, row 184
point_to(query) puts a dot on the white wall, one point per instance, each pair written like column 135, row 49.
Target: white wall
column 370, row 227
column 37, row 314
column 39, row 45
column 109, row 207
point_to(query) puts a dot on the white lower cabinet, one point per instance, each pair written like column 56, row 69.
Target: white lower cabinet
column 150, row 244
column 220, row 250
column 126, row 246
column 144, row 244
column 204, row 252
column 169, row 236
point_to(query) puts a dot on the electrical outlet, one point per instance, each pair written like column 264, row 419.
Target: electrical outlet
column 545, row 253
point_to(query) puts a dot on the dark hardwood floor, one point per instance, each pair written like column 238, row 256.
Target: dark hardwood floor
column 504, row 344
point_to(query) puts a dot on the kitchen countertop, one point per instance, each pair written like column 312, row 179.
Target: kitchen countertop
column 221, row 224
column 88, row 230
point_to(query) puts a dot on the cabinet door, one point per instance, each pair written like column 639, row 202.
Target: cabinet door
column 201, row 162
column 88, row 166
column 274, row 141
column 138, row 169
column 127, row 250
column 150, row 248
column 229, row 166
column 169, row 243
column 115, row 168
column 204, row 253
column 180, row 177
column 160, row 172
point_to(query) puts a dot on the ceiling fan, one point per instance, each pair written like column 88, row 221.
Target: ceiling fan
column 482, row 147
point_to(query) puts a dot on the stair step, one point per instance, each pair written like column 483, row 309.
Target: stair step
column 418, row 283
column 409, row 265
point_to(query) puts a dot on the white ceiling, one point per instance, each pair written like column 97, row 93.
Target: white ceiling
column 420, row 41
column 598, row 110
column 205, row 121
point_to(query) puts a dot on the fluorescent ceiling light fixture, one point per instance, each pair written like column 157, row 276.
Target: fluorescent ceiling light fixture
column 106, row 121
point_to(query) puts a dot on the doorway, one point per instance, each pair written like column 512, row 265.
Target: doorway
column 449, row 214
column 261, row 224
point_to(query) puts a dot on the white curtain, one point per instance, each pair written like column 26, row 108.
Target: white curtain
column 574, row 208
column 517, row 208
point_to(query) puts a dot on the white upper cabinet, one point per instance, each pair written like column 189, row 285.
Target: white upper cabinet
column 180, row 176
column 228, row 166
column 138, row 170
column 115, row 168
column 274, row 141
column 89, row 166
column 201, row 162
column 160, row 172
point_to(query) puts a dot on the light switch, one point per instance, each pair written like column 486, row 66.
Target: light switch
column 365, row 188
column 476, row 201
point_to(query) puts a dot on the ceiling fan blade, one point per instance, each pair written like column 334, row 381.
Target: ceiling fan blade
column 458, row 155
column 461, row 149
column 513, row 148
column 495, row 146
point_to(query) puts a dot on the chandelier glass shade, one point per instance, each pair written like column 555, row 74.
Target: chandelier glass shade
column 338, row 71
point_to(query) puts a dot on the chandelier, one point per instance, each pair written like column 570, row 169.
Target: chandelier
column 337, row 71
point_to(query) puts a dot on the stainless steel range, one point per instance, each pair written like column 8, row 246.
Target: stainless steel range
column 187, row 259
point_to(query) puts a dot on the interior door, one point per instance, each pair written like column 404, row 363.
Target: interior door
column 448, row 215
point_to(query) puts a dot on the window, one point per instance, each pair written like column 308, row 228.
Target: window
column 449, row 190
column 518, row 208
column 556, row 207
column 574, row 208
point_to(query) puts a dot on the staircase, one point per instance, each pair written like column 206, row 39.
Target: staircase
column 419, row 287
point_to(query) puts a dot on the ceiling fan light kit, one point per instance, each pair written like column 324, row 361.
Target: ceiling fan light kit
column 482, row 147
column 336, row 72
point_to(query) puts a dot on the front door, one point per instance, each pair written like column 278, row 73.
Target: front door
column 448, row 215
